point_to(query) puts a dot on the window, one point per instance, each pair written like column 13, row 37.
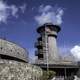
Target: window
column 1, row 48
column 11, row 50
column 40, row 56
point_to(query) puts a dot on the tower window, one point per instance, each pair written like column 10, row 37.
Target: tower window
column 17, row 52
column 1, row 48
column 11, row 50
column 40, row 56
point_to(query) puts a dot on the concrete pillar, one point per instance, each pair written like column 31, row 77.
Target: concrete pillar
column 52, row 48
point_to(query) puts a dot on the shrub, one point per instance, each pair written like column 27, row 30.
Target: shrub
column 47, row 75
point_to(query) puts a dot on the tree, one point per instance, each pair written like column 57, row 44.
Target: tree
column 47, row 75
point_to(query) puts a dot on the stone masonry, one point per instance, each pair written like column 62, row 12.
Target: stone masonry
column 14, row 63
column 13, row 70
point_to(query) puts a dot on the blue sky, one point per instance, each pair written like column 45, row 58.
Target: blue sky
column 20, row 25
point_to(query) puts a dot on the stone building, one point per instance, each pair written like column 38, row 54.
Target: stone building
column 14, row 63
column 9, row 50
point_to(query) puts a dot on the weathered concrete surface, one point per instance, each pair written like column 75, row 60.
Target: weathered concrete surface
column 13, row 50
column 13, row 70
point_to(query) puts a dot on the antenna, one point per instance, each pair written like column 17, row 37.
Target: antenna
column 46, row 47
column 65, row 74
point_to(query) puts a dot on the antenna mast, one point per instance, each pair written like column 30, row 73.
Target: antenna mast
column 46, row 48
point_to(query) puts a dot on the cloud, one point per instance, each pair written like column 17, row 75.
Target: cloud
column 44, row 9
column 76, row 52
column 23, row 8
column 14, row 10
column 64, row 50
column 48, row 14
column 6, row 11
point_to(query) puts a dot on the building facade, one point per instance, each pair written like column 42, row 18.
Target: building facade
column 14, row 63
column 47, row 52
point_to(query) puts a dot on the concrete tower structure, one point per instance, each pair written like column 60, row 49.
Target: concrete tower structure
column 48, row 57
column 46, row 44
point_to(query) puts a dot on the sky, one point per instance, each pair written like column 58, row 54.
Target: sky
column 18, row 23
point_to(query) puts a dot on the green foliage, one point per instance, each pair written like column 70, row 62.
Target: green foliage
column 47, row 75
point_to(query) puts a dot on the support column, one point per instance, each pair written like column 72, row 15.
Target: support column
column 65, row 74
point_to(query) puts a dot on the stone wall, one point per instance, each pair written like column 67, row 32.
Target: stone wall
column 13, row 50
column 13, row 70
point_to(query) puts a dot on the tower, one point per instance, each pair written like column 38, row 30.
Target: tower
column 46, row 44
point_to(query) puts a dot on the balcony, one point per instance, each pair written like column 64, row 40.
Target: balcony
column 39, row 44
column 39, row 38
column 37, row 52
column 40, row 56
